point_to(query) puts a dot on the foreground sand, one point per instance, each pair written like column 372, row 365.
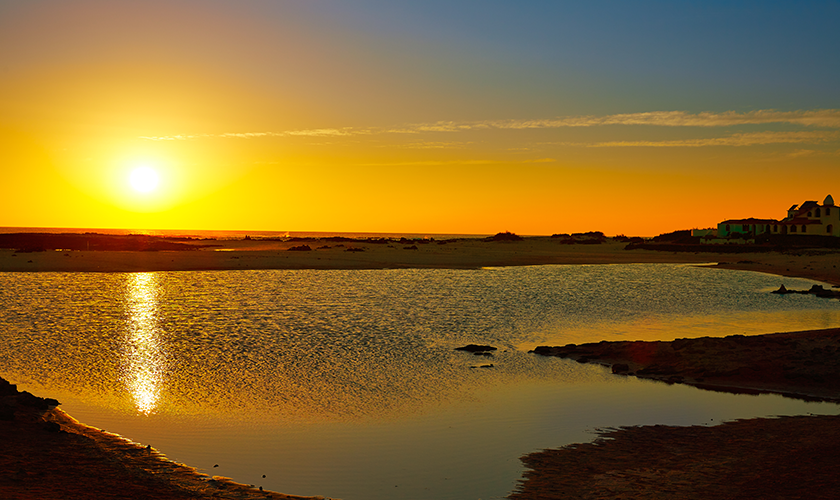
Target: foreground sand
column 789, row 457
column 46, row 454
column 804, row 364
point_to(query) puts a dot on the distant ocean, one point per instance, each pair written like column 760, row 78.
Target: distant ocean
column 233, row 235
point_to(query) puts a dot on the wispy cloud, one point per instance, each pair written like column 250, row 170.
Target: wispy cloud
column 819, row 118
column 802, row 152
column 428, row 145
column 748, row 139
column 320, row 132
column 824, row 118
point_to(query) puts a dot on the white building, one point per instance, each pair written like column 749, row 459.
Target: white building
column 808, row 218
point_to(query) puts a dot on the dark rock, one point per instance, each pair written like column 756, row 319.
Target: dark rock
column 506, row 236
column 620, row 368
column 782, row 290
column 300, row 248
column 476, row 348
column 6, row 412
column 30, row 400
column 6, row 388
column 412, row 247
column 657, row 370
column 826, row 294
column 52, row 427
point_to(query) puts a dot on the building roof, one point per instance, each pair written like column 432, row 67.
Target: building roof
column 751, row 220
column 797, row 222
column 805, row 208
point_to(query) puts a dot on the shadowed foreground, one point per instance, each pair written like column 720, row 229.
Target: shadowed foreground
column 788, row 457
column 805, row 364
column 44, row 453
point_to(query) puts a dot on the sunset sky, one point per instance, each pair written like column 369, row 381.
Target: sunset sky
column 424, row 117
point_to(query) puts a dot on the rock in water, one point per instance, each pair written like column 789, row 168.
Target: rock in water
column 476, row 348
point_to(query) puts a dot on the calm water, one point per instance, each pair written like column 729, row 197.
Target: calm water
column 346, row 384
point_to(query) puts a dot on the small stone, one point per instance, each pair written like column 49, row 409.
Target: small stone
column 475, row 348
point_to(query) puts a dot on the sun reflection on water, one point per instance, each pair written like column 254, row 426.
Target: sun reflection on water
column 144, row 356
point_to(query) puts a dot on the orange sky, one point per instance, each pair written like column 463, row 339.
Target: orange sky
column 450, row 117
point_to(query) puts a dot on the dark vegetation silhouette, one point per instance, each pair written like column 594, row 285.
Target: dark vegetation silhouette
column 505, row 236
column 40, row 242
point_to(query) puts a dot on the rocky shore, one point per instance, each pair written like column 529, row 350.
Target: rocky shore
column 798, row 364
column 44, row 453
column 764, row 458
column 788, row 457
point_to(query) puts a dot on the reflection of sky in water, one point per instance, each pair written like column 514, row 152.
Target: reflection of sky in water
column 143, row 357
column 326, row 345
column 307, row 371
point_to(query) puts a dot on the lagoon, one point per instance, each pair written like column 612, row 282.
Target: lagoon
column 346, row 383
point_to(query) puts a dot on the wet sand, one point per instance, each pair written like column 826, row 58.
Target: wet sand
column 804, row 365
column 46, row 454
column 788, row 457
column 40, row 460
column 764, row 458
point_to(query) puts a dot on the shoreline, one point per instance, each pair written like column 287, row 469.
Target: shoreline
column 463, row 253
column 803, row 365
column 767, row 458
column 46, row 453
column 455, row 254
column 750, row 458
column 771, row 457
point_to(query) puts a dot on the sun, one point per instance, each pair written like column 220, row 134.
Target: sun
column 144, row 179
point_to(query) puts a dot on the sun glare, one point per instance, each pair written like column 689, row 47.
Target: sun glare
column 144, row 179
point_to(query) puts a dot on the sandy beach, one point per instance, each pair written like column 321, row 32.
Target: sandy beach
column 788, row 457
column 465, row 253
column 41, row 440
column 48, row 454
